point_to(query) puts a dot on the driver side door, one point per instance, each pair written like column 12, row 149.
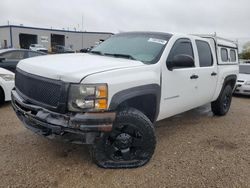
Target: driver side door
column 178, row 85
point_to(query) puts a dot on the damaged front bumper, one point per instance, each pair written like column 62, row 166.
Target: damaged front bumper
column 81, row 128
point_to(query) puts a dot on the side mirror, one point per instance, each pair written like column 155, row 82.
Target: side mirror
column 2, row 59
column 181, row 61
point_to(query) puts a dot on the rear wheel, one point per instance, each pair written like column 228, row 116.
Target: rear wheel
column 130, row 144
column 221, row 106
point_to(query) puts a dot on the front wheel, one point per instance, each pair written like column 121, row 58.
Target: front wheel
column 130, row 144
column 1, row 96
column 221, row 106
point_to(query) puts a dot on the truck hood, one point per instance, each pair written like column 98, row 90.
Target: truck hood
column 73, row 67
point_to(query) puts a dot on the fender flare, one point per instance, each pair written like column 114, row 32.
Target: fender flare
column 228, row 78
column 232, row 77
column 149, row 89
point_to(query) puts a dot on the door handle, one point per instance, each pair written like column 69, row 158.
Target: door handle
column 194, row 76
column 213, row 74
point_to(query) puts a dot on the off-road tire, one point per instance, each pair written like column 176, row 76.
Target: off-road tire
column 130, row 144
column 1, row 96
column 221, row 106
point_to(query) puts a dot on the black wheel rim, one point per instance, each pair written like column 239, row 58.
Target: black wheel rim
column 125, row 143
column 226, row 102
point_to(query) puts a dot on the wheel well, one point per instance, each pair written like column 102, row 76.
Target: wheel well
column 231, row 80
column 147, row 104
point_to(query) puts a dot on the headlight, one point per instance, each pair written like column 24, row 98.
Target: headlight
column 7, row 77
column 82, row 97
column 247, row 83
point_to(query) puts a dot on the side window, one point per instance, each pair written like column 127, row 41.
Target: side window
column 232, row 55
column 205, row 54
column 224, row 54
column 15, row 55
column 7, row 55
column 181, row 47
column 33, row 54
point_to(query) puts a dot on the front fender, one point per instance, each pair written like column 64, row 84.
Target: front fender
column 129, row 79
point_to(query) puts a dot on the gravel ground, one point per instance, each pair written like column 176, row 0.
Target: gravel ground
column 194, row 149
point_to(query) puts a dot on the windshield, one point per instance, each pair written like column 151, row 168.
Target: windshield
column 145, row 47
column 245, row 69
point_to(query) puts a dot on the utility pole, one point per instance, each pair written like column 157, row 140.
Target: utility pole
column 82, row 31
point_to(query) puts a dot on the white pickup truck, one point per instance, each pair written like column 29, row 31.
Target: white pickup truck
column 112, row 96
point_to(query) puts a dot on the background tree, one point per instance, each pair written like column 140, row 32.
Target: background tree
column 246, row 51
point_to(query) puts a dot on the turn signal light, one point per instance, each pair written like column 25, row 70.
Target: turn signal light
column 101, row 104
column 101, row 91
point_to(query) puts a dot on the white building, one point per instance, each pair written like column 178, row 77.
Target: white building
column 22, row 36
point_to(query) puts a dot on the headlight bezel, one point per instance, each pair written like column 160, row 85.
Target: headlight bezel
column 7, row 77
column 81, row 96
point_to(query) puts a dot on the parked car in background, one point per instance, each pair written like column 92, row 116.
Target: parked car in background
column 10, row 57
column 85, row 50
column 243, row 82
column 244, row 61
column 247, row 61
column 62, row 49
column 6, row 85
column 38, row 48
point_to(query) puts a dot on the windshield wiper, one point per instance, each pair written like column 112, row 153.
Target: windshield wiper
column 121, row 55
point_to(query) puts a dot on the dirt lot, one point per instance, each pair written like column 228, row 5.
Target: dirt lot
column 193, row 150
